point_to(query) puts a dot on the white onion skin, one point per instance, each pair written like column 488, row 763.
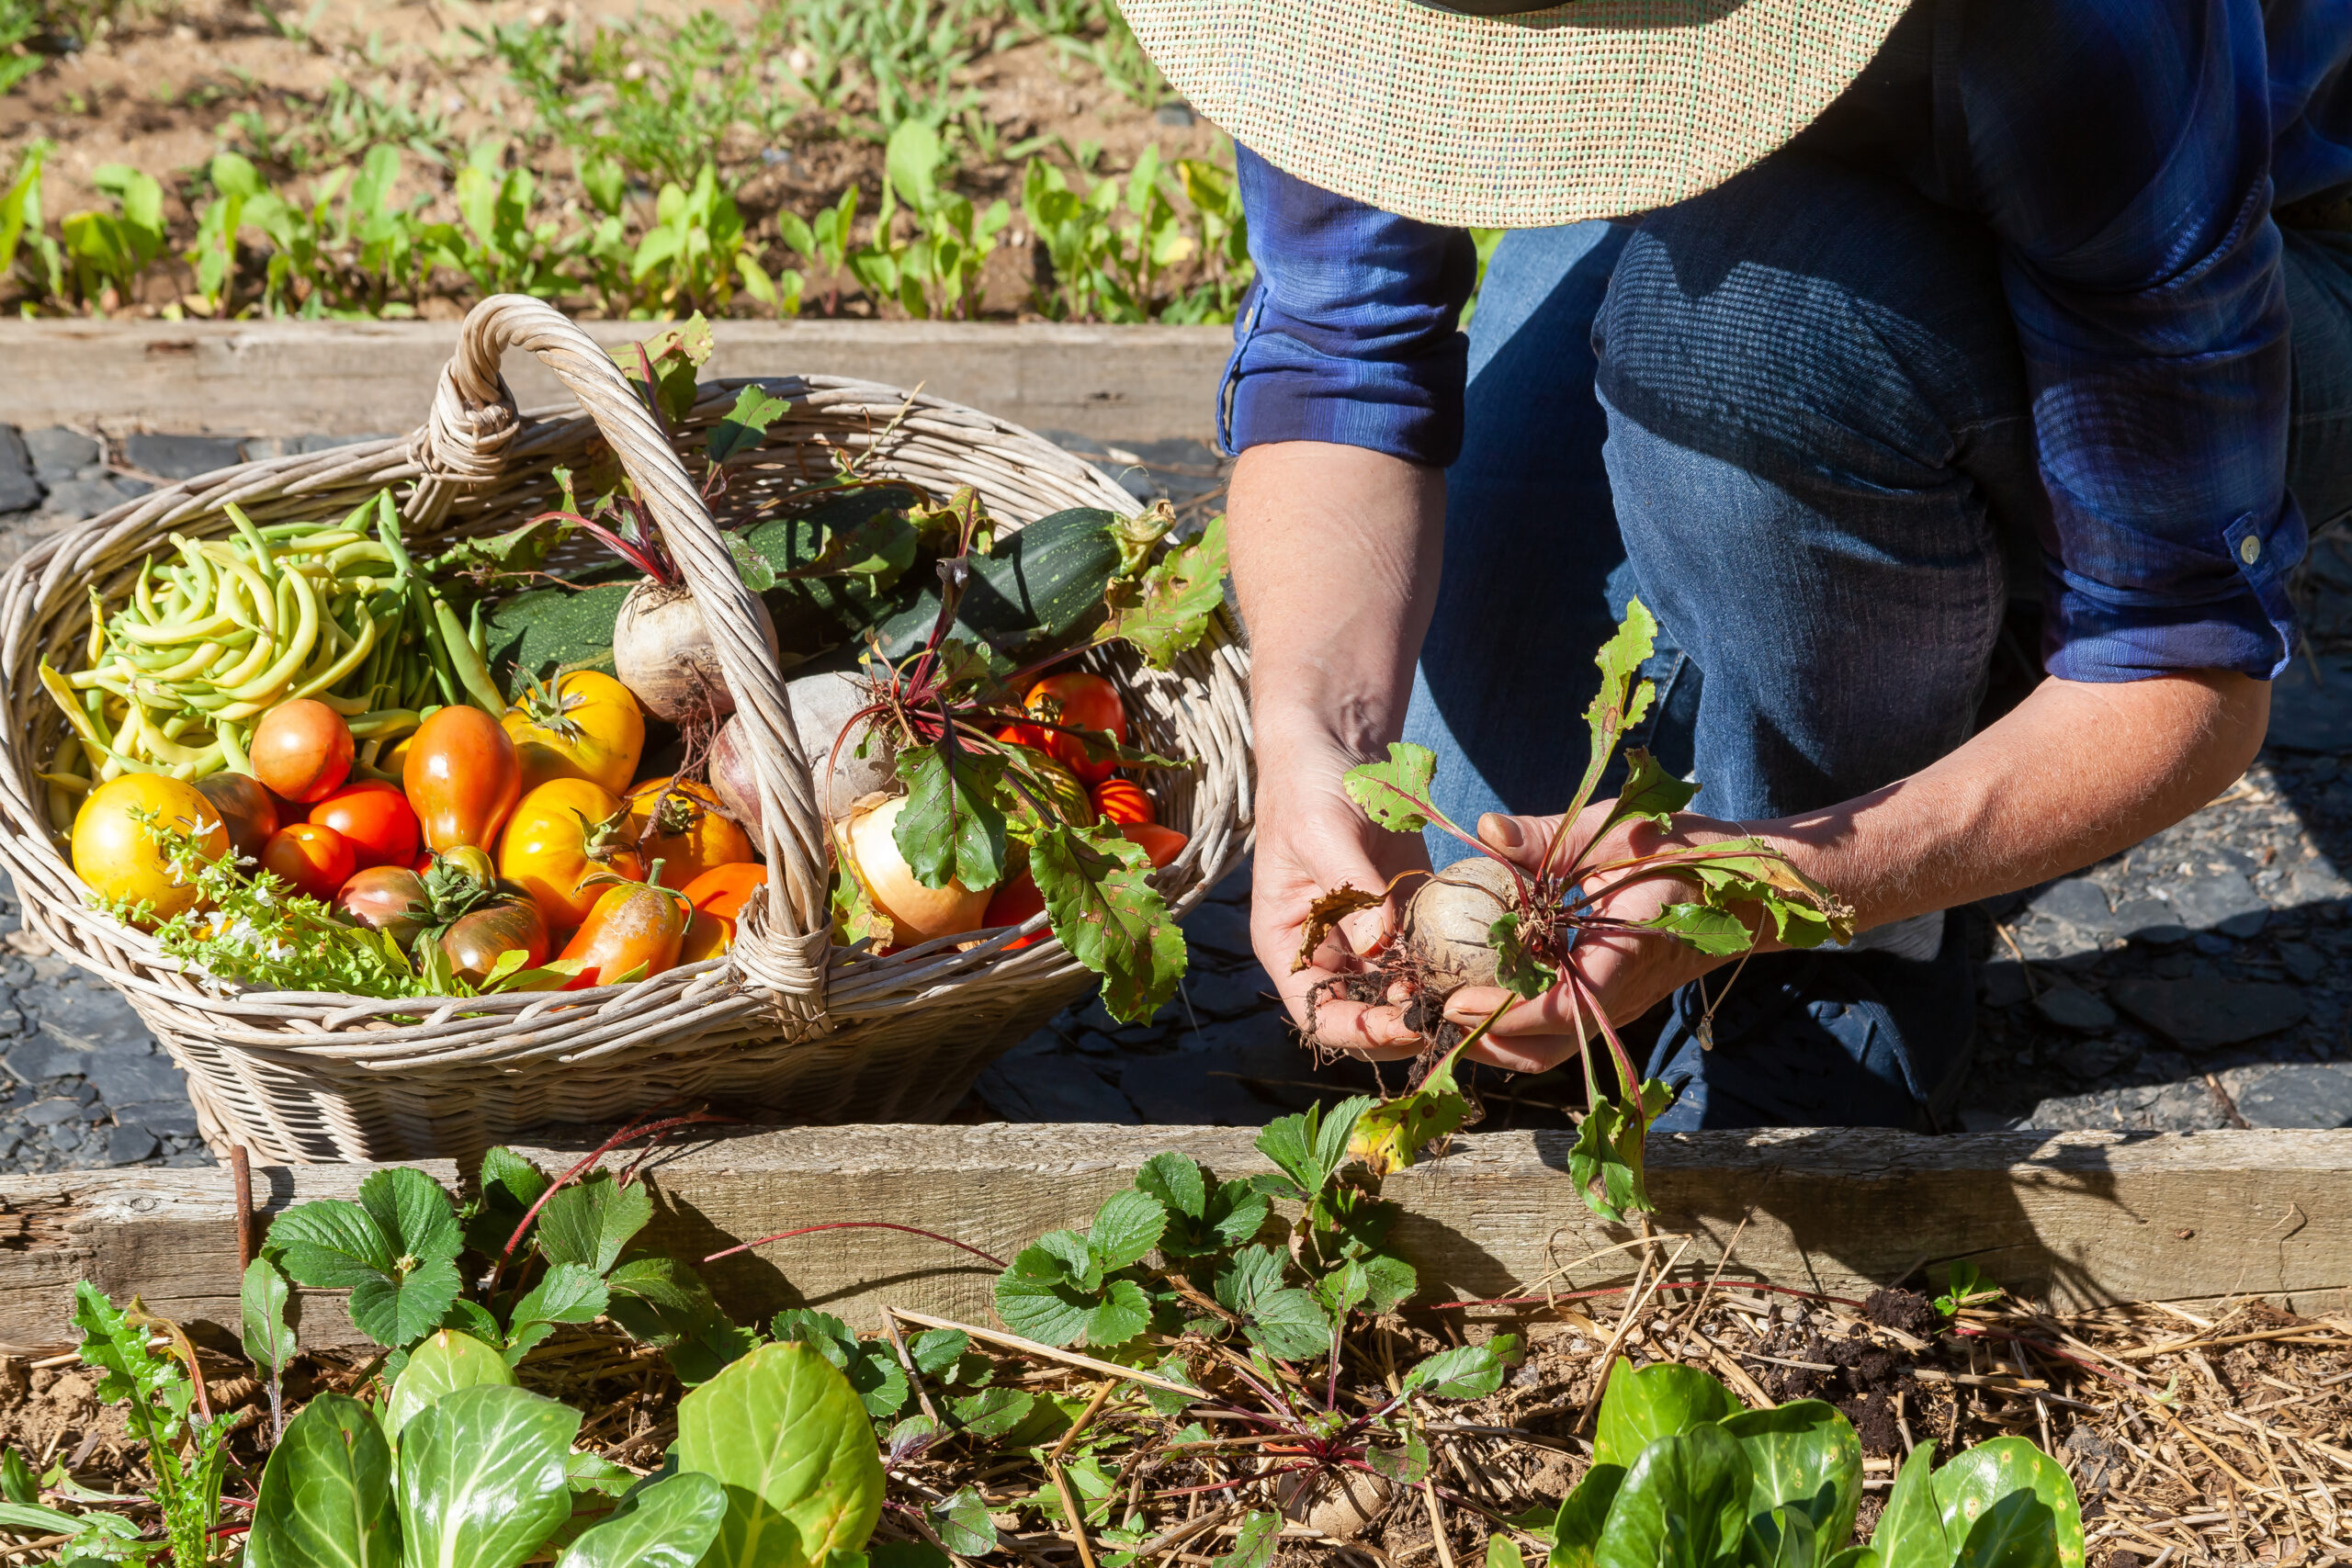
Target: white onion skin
column 916, row 913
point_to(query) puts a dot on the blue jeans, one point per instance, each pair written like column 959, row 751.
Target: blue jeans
column 1791, row 414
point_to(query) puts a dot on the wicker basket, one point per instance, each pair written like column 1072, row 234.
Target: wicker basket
column 786, row 1026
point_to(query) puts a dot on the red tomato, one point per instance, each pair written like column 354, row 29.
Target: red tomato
column 1123, row 800
column 1162, row 845
column 635, row 925
column 376, row 818
column 1015, row 899
column 302, row 749
column 462, row 778
column 1078, row 701
column 475, row 941
column 247, row 810
column 316, row 860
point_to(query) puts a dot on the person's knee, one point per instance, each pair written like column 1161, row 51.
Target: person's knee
column 1803, row 317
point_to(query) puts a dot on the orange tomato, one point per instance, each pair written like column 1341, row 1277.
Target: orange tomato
column 314, row 861
column 1123, row 800
column 1078, row 700
column 560, row 835
column 1162, row 844
column 717, row 896
column 633, row 925
column 689, row 835
column 1015, row 899
column 375, row 817
column 302, row 749
column 461, row 777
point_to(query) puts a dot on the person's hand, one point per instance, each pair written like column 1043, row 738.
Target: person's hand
column 1312, row 838
column 1627, row 973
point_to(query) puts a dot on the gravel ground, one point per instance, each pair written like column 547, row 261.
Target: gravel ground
column 2202, row 979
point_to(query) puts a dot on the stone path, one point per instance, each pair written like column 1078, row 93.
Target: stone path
column 2202, row 979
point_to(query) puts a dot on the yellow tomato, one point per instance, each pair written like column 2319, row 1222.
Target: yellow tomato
column 584, row 727
column 114, row 853
column 560, row 835
column 689, row 835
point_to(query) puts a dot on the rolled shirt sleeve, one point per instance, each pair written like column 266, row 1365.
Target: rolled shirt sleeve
column 1350, row 333
column 2127, row 171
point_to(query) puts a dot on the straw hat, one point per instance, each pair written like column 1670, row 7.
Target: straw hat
column 1513, row 120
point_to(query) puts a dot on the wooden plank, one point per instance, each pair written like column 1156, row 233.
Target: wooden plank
column 2077, row 1219
column 1138, row 383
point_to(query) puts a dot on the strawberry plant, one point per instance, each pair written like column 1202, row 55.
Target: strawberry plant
column 1489, row 922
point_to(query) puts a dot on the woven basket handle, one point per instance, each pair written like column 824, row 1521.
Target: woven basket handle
column 473, row 424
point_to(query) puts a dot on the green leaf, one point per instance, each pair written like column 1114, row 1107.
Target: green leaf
column 1167, row 611
column 588, row 1223
column 1289, row 1324
column 1660, row 1400
column 1395, row 793
column 1980, row 1483
column 326, row 1494
column 1650, row 791
column 1779, row 1538
column 669, row 1525
column 953, row 828
column 1522, row 973
column 1606, row 1161
column 1683, row 1505
column 570, row 1292
column 1745, row 871
column 261, row 1311
column 746, row 425
column 756, row 572
column 660, row 1300
column 482, row 1476
column 1249, row 1274
column 1407, row 1466
column 1311, row 1147
column 443, row 1363
column 787, row 1437
column 1467, row 1371
column 413, row 1213
column 1102, row 904
column 1502, row 1551
column 1175, row 1181
column 1854, row 1557
column 1255, row 1544
column 1704, row 927
column 963, row 1524
column 937, row 1351
column 1910, row 1530
column 1802, row 1455
column 1575, row 1529
column 396, row 1311
column 1392, row 1133
column 992, row 1412
column 331, row 1244
column 1125, row 1229
column 510, row 1185
column 17, row 1483
column 1619, row 703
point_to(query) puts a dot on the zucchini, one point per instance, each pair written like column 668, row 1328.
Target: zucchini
column 552, row 628
column 1042, row 589
column 816, row 614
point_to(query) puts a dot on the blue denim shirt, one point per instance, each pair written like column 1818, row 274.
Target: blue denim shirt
column 2125, row 153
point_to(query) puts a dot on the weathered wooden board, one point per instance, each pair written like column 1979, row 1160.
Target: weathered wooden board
column 2079, row 1218
column 1137, row 383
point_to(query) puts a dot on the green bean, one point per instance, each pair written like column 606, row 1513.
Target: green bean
column 383, row 724
column 468, row 665
column 232, row 747
column 350, row 660
column 263, row 561
column 266, row 684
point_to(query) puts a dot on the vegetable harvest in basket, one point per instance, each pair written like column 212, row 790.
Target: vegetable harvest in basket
column 309, row 760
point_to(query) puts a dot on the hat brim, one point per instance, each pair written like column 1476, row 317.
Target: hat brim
column 1592, row 109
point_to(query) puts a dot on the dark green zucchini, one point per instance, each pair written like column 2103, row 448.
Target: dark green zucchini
column 817, row 614
column 553, row 628
column 1042, row 589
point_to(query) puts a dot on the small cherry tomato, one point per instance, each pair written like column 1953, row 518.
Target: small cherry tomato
column 462, row 777
column 690, row 832
column 634, row 927
column 1123, row 800
column 247, row 810
column 1078, row 700
column 1015, row 899
column 302, row 749
column 475, row 941
column 1162, row 844
column 314, row 861
column 376, row 818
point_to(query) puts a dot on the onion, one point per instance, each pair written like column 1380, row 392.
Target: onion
column 663, row 653
column 916, row 913
column 1445, row 929
column 821, row 705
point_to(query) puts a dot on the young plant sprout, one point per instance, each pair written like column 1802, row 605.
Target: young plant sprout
column 1485, row 920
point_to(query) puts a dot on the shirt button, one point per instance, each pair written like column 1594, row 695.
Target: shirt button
column 2249, row 550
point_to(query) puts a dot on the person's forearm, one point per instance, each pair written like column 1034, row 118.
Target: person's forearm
column 1335, row 555
column 2077, row 772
